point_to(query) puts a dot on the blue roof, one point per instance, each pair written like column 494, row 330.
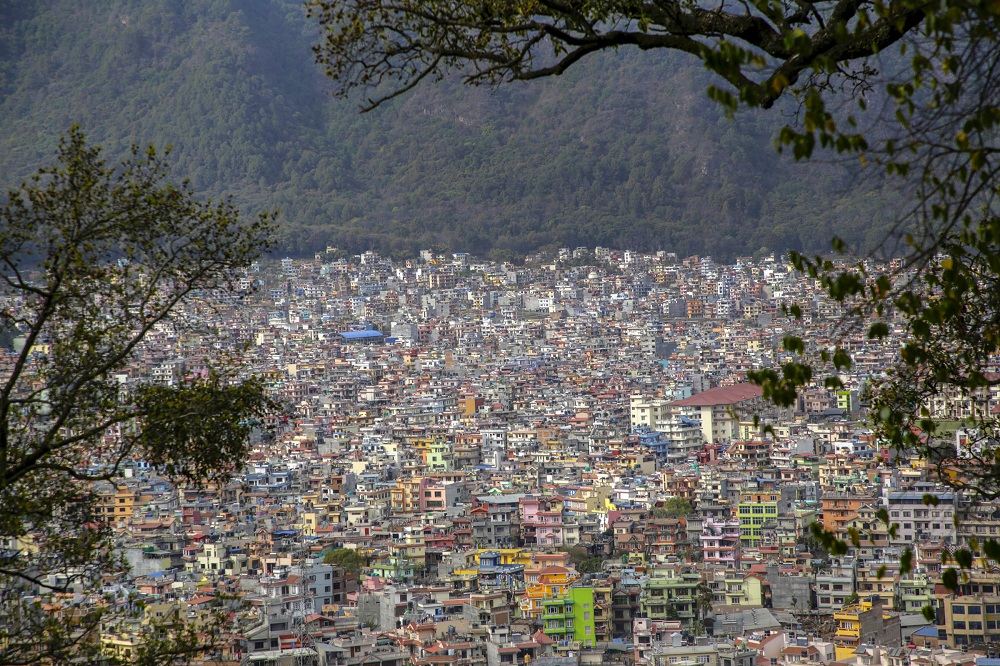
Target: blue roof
column 360, row 335
column 930, row 632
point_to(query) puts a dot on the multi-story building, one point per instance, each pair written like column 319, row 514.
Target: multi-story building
column 971, row 614
column 495, row 521
column 836, row 584
column 553, row 582
column 603, row 595
column 718, row 410
column 916, row 519
column 837, row 509
column 670, row 594
column 755, row 508
column 115, row 503
column 916, row 591
column 879, row 578
column 541, row 521
column 570, row 616
column 865, row 623
column 720, row 542
column 625, row 606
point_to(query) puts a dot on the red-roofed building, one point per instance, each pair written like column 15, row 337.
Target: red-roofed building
column 719, row 410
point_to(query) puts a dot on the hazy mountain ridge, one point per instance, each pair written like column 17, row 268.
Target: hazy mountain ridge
column 624, row 150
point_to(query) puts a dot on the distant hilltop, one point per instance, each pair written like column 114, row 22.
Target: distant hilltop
column 652, row 165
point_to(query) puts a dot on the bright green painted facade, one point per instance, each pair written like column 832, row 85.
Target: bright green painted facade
column 570, row 616
column 754, row 510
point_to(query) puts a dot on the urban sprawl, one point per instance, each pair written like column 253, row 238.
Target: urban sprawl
column 482, row 464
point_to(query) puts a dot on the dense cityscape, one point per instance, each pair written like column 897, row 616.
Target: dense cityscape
column 555, row 463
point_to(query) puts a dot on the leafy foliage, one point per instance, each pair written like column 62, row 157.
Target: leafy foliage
column 93, row 259
column 675, row 507
column 350, row 559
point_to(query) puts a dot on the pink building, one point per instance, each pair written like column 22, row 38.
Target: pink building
column 720, row 542
column 541, row 521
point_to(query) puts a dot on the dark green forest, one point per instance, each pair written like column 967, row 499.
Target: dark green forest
column 624, row 150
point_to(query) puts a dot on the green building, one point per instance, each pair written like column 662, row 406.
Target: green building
column 755, row 509
column 570, row 616
column 915, row 592
column 670, row 594
column 847, row 400
column 394, row 568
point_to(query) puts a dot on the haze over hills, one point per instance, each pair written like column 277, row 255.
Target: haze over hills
column 625, row 150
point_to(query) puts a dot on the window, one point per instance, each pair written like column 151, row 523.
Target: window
column 975, row 610
column 958, row 610
column 959, row 625
column 975, row 626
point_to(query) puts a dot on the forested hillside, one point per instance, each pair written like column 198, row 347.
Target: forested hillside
column 624, row 150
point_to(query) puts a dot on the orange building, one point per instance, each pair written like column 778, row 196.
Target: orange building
column 839, row 509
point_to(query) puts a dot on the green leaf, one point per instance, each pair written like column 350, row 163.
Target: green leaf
column 949, row 578
column 878, row 330
column 928, row 612
column 906, row 561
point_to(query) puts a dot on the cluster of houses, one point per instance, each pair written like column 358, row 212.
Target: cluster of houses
column 557, row 463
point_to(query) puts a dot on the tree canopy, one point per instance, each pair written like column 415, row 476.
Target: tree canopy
column 935, row 118
column 348, row 558
column 675, row 507
column 93, row 259
column 761, row 47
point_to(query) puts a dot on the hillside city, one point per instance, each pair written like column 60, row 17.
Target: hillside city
column 560, row 463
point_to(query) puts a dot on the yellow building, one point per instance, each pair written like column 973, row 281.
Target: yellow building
column 115, row 504
column 406, row 495
column 864, row 622
column 973, row 616
column 520, row 556
column 553, row 582
column 872, row 579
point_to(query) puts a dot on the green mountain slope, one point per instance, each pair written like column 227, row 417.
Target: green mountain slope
column 624, row 150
